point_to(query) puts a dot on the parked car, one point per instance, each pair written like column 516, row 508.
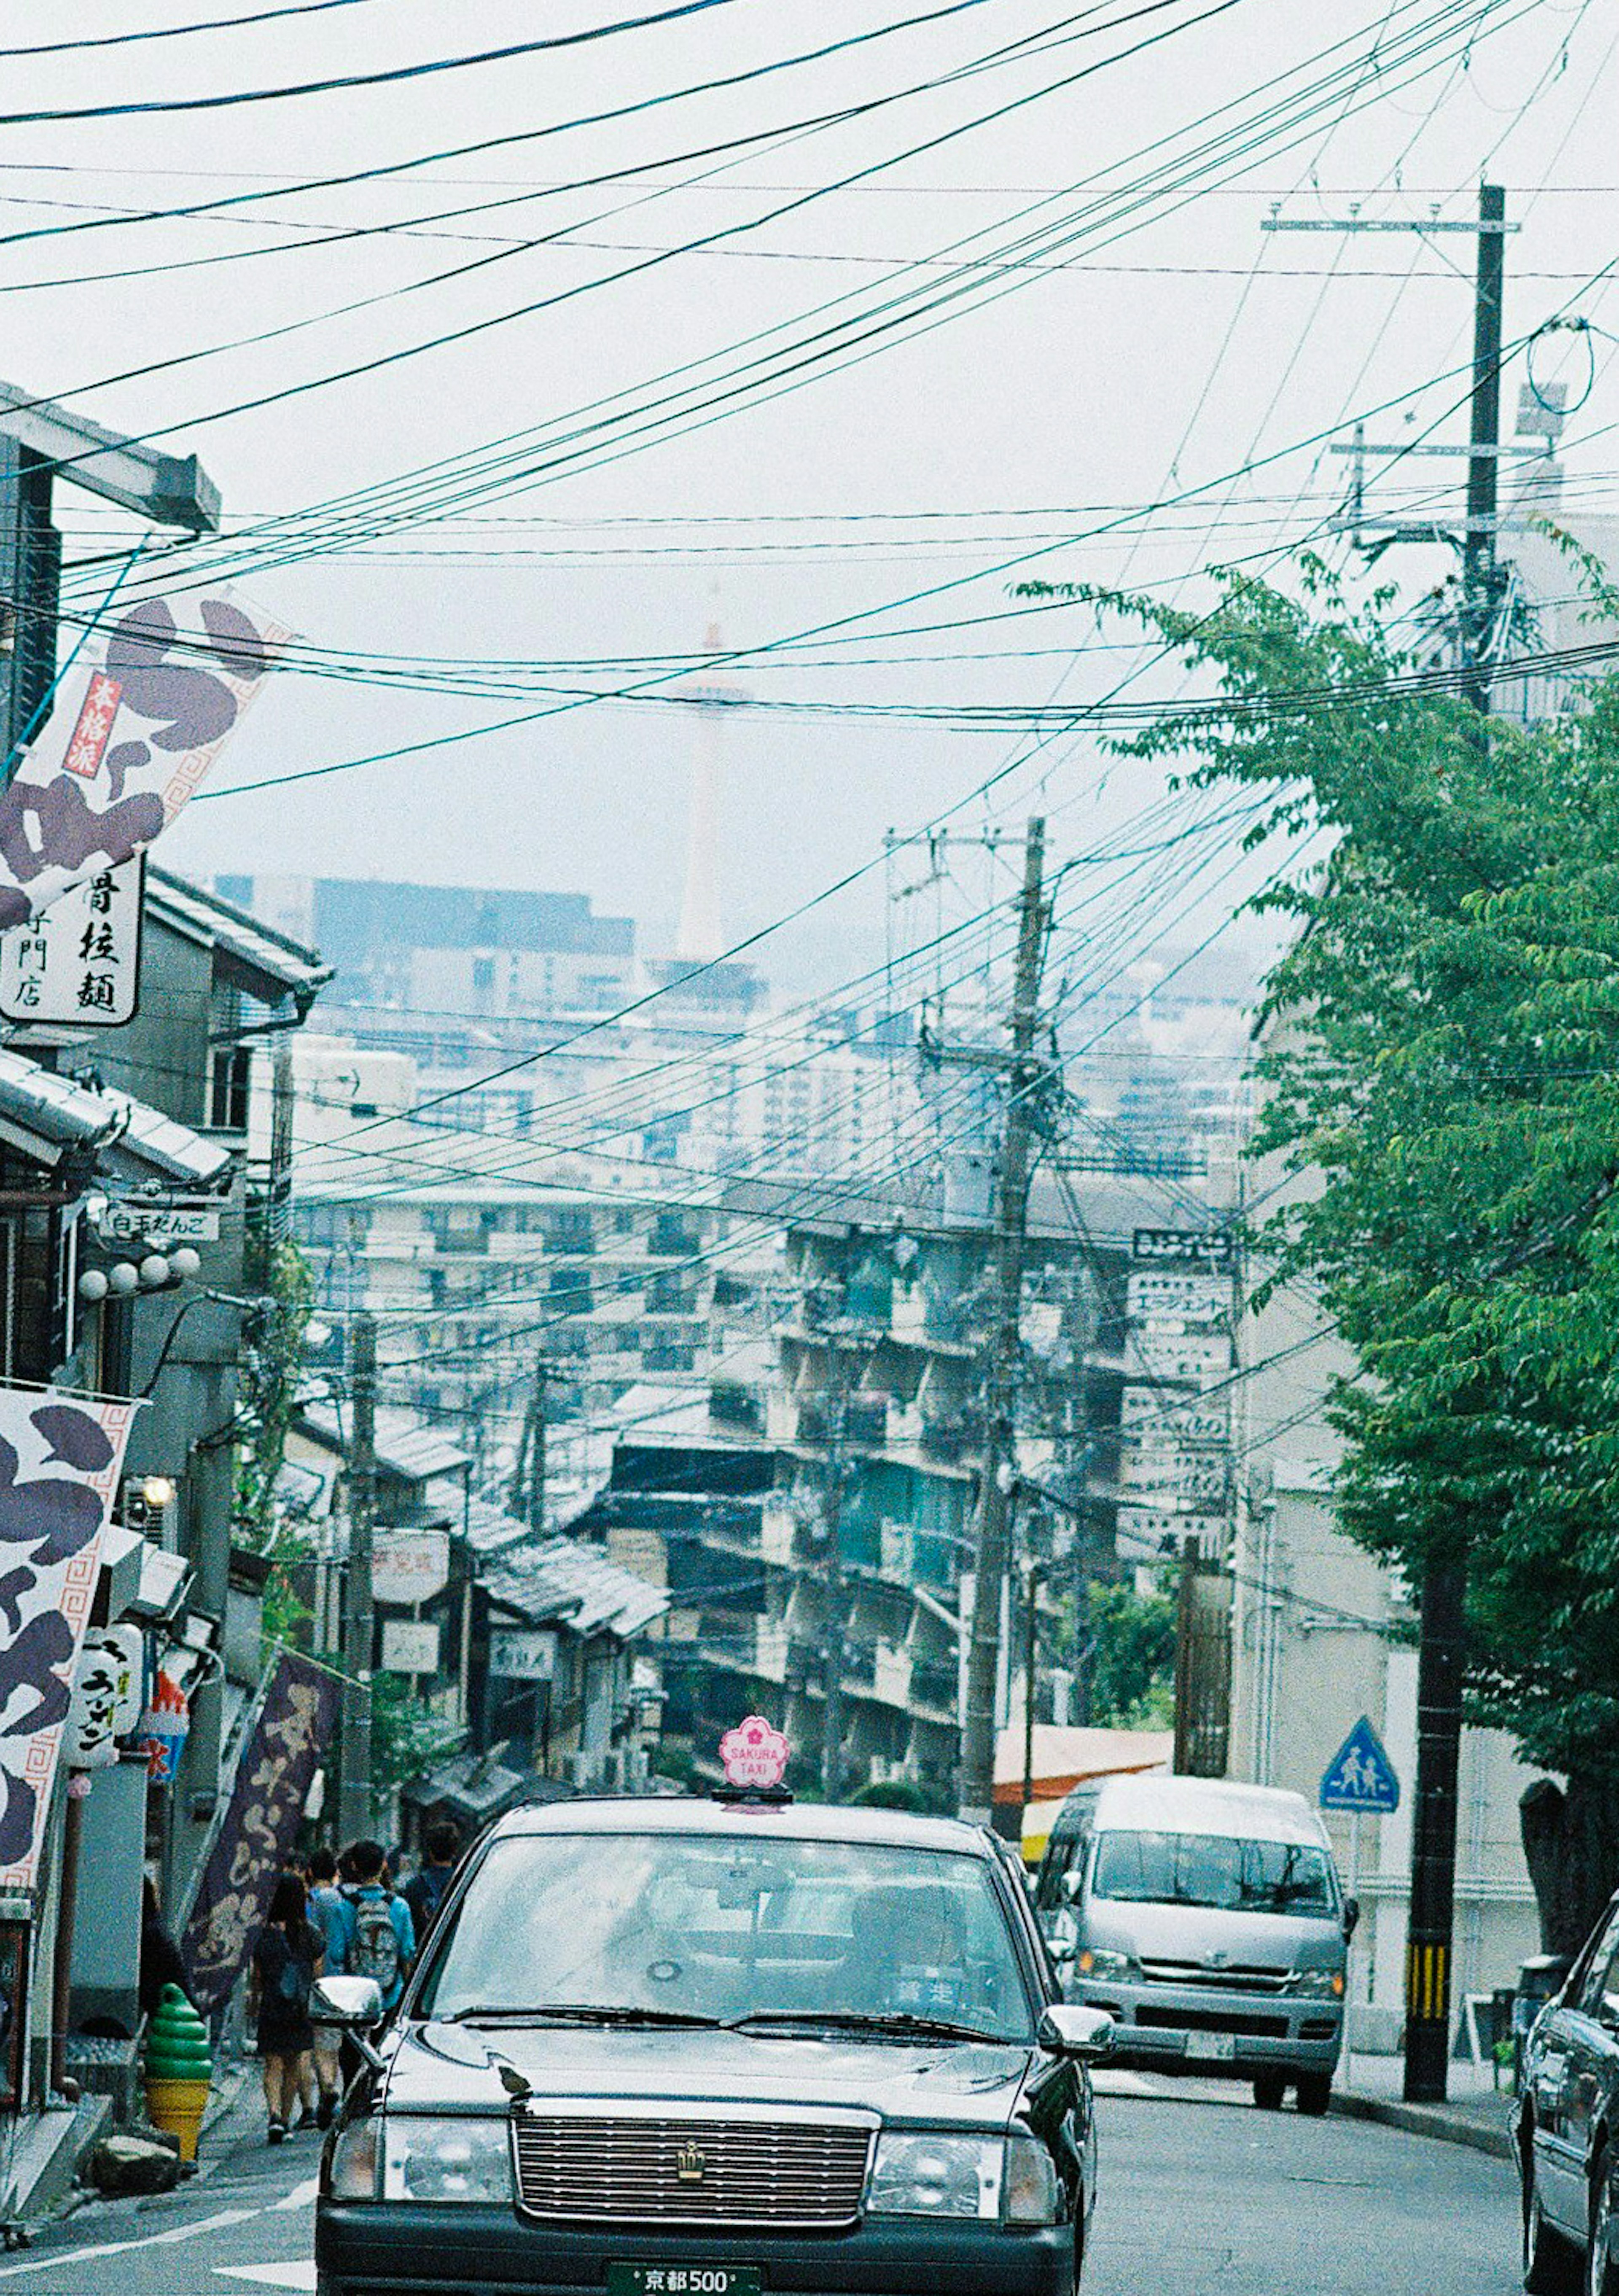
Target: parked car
column 703, row 2048
column 1568, row 2126
column 1054, row 1893
column 1207, row 1918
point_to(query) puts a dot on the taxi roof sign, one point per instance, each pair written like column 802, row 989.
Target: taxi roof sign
column 754, row 1755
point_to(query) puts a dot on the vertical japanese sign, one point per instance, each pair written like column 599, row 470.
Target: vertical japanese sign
column 79, row 962
column 132, row 734
column 277, row 1768
column 59, row 1468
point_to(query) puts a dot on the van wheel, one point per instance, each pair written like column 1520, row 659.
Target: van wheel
column 1268, row 2090
column 1315, row 2092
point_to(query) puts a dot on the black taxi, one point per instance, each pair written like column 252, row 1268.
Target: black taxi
column 679, row 2047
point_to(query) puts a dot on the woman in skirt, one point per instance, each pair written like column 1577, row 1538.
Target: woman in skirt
column 287, row 1959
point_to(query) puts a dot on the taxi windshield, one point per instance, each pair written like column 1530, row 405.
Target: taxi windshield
column 710, row 1928
column 1214, row 1870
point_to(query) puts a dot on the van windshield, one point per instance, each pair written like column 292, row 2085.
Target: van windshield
column 1213, row 1869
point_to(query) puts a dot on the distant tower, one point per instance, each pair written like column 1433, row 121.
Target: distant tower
column 701, row 937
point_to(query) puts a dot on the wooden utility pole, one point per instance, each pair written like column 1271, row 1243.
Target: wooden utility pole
column 1031, row 1650
column 353, row 1800
column 1000, row 1386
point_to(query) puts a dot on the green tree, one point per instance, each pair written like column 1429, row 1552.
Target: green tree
column 1443, row 1064
column 1132, row 1660
column 272, row 1361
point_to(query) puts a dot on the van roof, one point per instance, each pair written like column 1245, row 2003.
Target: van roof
column 1208, row 1806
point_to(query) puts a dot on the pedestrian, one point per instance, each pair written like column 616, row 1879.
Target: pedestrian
column 329, row 1910
column 287, row 1959
column 424, row 1891
column 161, row 1961
column 382, row 1937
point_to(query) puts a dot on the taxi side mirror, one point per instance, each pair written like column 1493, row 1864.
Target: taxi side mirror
column 1067, row 2029
column 350, row 2004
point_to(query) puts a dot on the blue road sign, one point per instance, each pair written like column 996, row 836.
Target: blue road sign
column 1360, row 1776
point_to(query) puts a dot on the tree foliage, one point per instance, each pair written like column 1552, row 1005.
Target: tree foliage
column 1131, row 1660
column 1442, row 1068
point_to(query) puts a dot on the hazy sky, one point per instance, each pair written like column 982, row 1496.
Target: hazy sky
column 1122, row 331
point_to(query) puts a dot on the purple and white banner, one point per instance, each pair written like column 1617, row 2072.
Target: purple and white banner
column 137, row 722
column 60, row 1457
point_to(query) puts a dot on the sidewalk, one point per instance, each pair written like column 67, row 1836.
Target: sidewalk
column 1475, row 2112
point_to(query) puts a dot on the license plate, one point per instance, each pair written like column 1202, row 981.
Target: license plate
column 1207, row 2048
column 684, row 2280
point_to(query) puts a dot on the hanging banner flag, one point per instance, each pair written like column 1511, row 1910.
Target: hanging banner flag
column 255, row 1843
column 59, row 1458
column 137, row 722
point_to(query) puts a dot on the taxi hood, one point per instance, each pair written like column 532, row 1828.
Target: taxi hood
column 435, row 2067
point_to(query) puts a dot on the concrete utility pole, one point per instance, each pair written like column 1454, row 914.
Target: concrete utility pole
column 835, row 1641
column 1443, row 1594
column 353, row 1800
column 1000, row 1433
column 1441, row 1631
column 528, row 1483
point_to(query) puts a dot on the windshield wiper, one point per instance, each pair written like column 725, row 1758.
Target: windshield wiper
column 902, row 2021
column 574, row 2013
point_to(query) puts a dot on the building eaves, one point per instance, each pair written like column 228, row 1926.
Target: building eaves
column 405, row 1447
column 577, row 1585
column 41, row 1112
column 152, row 1147
column 266, row 964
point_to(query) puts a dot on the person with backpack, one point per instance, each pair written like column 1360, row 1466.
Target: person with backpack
column 424, row 1891
column 381, row 1935
column 288, row 1955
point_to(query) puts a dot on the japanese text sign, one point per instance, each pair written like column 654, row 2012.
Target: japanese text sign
column 59, row 1459
column 79, row 962
column 131, row 735
column 273, row 1782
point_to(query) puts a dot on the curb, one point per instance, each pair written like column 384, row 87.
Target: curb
column 227, row 2088
column 1427, row 2121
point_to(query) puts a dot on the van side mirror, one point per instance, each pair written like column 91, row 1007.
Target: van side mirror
column 1068, row 2030
column 1352, row 1917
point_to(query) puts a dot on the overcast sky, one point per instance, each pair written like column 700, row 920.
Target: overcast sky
column 1148, row 339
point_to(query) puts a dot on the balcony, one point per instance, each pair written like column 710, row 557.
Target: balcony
column 770, row 1649
column 934, row 1684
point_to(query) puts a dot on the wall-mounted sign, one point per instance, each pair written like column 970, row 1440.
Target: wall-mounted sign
column 409, row 1646
column 523, row 1653
column 106, row 1692
column 1184, row 1247
column 79, row 962
column 409, row 1566
column 157, row 1225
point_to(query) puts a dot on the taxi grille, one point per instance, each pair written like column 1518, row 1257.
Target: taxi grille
column 680, row 2171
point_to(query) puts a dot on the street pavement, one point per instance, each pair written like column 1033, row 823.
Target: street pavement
column 1202, row 2194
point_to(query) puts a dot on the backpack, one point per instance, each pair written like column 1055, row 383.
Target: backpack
column 374, row 1949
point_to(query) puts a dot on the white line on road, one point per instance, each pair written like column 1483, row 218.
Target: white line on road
column 299, row 2197
column 297, row 2277
column 59, row 2257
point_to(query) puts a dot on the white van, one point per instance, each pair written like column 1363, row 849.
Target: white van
column 1209, row 1919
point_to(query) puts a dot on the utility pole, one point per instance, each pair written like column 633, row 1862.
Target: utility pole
column 1031, row 1639
column 834, row 1641
column 1443, row 1602
column 354, row 1800
column 1441, row 1647
column 1000, row 1433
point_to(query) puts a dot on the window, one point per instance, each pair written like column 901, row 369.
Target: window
column 1212, row 1869
column 717, row 1927
column 230, row 1093
column 1598, row 1995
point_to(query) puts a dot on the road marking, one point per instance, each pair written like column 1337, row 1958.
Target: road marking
column 60, row 2257
column 1122, row 2084
column 299, row 2197
column 299, row 2277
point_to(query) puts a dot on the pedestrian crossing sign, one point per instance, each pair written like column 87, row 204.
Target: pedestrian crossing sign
column 1360, row 1777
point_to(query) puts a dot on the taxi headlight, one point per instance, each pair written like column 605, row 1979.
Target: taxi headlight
column 1111, row 1968
column 920, row 2174
column 1317, row 1984
column 429, row 2159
